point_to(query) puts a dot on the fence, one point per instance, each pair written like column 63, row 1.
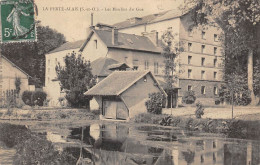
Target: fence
column 8, row 98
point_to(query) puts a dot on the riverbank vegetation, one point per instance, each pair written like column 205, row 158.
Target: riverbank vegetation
column 27, row 143
column 232, row 128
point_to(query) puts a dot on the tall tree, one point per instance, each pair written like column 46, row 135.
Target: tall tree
column 30, row 56
column 75, row 78
column 239, row 20
column 171, row 50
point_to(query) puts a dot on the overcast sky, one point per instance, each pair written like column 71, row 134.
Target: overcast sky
column 73, row 24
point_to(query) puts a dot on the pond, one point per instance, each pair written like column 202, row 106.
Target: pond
column 120, row 144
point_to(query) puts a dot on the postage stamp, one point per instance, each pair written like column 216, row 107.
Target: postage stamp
column 17, row 21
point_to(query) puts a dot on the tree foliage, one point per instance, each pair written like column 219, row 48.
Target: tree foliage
column 75, row 78
column 30, row 56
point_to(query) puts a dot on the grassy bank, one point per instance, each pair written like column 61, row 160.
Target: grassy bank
column 26, row 143
column 49, row 114
column 233, row 128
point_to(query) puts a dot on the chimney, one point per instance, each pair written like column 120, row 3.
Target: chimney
column 115, row 36
column 153, row 36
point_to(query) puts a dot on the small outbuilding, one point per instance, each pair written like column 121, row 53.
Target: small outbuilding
column 123, row 94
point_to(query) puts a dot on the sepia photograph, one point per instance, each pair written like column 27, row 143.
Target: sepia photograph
column 119, row 82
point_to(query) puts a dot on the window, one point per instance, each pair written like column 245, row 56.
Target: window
column 156, row 67
column 215, row 90
column 189, row 47
column 95, row 44
column 215, row 62
column 56, row 61
column 203, row 74
column 49, row 62
column 135, row 65
column 189, row 73
column 202, row 61
column 215, row 37
column 203, row 34
column 202, row 48
column 203, row 91
column 189, row 59
column 189, row 87
column 215, row 50
column 48, row 70
column 48, row 79
column 190, row 32
column 215, row 75
column 146, row 65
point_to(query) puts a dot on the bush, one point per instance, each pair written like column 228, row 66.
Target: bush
column 189, row 97
column 39, row 97
column 34, row 98
column 27, row 97
column 148, row 118
column 154, row 105
column 199, row 110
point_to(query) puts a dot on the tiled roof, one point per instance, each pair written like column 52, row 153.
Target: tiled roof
column 100, row 66
column 128, row 41
column 170, row 14
column 68, row 46
column 116, row 83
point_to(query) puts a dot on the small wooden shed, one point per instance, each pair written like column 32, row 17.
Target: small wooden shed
column 123, row 94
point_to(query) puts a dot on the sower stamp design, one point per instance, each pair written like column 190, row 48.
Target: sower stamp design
column 17, row 21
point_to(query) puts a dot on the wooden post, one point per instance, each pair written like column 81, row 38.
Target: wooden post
column 232, row 104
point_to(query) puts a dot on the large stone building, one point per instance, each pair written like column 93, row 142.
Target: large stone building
column 201, row 61
column 138, row 45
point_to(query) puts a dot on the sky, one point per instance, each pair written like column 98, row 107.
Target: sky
column 73, row 17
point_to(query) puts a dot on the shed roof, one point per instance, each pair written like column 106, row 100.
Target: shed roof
column 152, row 18
column 101, row 66
column 68, row 46
column 117, row 82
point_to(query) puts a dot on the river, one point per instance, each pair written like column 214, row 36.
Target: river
column 115, row 143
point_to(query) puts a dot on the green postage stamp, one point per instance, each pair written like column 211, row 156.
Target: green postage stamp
column 17, row 21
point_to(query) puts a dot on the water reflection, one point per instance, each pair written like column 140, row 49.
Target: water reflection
column 117, row 144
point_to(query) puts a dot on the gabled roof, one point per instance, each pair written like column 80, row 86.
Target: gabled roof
column 152, row 18
column 125, row 41
column 118, row 82
column 68, row 46
column 14, row 65
column 100, row 66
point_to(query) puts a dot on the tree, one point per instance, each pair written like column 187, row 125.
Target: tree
column 239, row 20
column 30, row 56
column 75, row 78
column 171, row 50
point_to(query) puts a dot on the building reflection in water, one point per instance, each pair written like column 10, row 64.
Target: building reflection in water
column 115, row 143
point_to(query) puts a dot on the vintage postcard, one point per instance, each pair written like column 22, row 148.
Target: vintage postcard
column 141, row 82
